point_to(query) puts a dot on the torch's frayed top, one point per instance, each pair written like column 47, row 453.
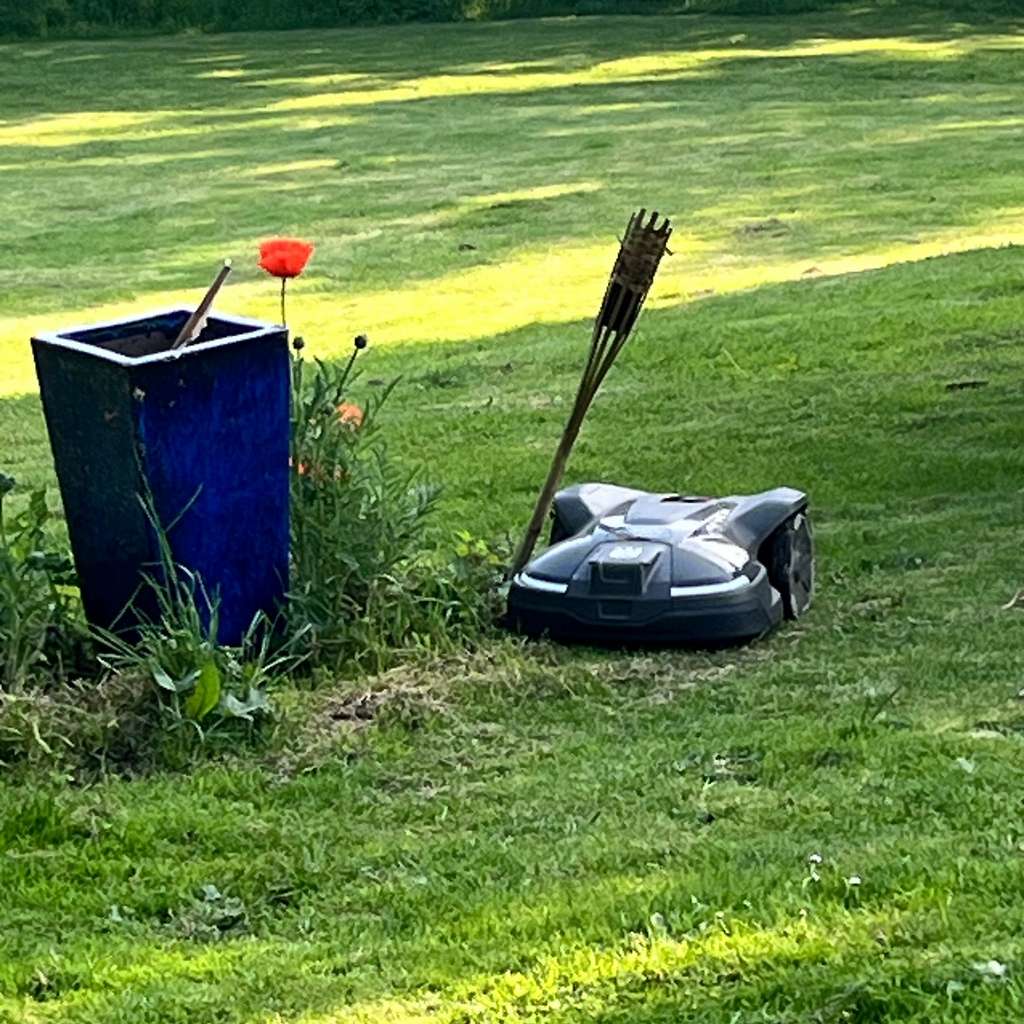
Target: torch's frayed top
column 641, row 251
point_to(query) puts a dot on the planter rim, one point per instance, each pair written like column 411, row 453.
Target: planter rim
column 256, row 328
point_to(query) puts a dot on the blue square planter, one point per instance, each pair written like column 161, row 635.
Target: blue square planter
column 205, row 427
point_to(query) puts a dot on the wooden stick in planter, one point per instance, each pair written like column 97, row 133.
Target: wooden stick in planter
column 640, row 253
column 193, row 324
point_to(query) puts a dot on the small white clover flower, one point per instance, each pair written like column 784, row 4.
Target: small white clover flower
column 992, row 968
column 853, row 880
column 814, row 858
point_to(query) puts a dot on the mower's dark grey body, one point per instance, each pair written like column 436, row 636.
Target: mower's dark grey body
column 627, row 566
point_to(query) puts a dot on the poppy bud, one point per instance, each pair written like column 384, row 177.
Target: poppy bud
column 361, row 341
column 298, row 344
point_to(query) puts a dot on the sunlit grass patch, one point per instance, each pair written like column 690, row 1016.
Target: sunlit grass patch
column 407, row 200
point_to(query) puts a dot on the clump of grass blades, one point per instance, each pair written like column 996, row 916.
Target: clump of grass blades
column 202, row 686
column 85, row 726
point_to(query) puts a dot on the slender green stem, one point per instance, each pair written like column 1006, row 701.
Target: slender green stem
column 343, row 380
column 284, row 284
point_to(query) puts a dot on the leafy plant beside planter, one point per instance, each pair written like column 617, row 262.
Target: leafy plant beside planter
column 365, row 588
column 40, row 629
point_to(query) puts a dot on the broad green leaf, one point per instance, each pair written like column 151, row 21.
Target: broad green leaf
column 163, row 680
column 255, row 700
column 206, row 695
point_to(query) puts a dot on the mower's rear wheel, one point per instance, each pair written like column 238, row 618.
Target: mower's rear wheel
column 788, row 555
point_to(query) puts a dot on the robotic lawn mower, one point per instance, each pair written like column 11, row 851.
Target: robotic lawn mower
column 628, row 566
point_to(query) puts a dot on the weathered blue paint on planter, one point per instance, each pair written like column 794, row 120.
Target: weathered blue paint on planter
column 206, row 427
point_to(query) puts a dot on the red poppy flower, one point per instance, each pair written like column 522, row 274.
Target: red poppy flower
column 285, row 257
column 350, row 414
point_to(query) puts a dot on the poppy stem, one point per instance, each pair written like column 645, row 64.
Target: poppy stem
column 284, row 283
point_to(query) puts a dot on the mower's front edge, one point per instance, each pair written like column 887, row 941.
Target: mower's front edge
column 699, row 616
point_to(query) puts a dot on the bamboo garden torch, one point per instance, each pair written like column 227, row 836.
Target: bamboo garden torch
column 640, row 253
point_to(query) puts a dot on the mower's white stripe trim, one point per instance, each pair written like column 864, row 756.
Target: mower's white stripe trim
column 711, row 589
column 524, row 579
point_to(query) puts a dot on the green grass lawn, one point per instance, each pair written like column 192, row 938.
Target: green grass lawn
column 533, row 834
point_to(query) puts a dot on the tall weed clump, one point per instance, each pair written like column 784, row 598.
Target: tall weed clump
column 367, row 586
column 41, row 632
